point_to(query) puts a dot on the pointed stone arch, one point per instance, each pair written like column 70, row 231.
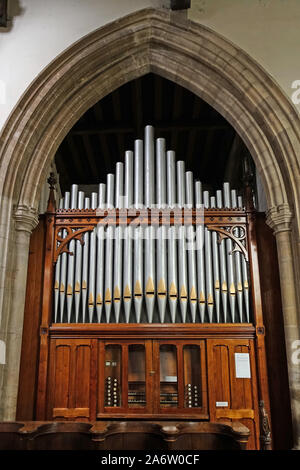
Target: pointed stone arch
column 189, row 54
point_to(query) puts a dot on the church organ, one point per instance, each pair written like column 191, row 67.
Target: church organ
column 151, row 299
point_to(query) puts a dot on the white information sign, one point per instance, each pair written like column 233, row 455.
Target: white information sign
column 242, row 366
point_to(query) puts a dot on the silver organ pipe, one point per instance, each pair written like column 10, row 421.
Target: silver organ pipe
column 237, row 259
column 223, row 266
column 118, row 243
column 71, row 258
column 92, row 263
column 230, row 263
column 200, row 255
column 149, row 277
column 109, row 249
column 149, row 188
column 216, row 270
column 171, row 273
column 138, row 231
column 57, row 275
column 245, row 275
column 100, row 255
column 78, row 265
column 63, row 268
column 172, row 241
column 191, row 248
column 127, row 266
column 161, row 245
column 182, row 258
column 171, row 179
column 85, row 265
column 208, row 264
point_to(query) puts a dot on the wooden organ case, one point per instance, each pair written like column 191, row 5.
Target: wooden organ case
column 150, row 301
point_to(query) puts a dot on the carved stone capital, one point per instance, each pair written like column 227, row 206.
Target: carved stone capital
column 26, row 218
column 279, row 218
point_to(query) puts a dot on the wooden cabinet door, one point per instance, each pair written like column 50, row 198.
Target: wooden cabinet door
column 72, row 379
column 125, row 378
column 180, row 378
column 232, row 397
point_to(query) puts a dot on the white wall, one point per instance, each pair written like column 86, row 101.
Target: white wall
column 269, row 30
column 42, row 29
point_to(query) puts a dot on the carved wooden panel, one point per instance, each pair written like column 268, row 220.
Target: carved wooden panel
column 232, row 398
column 72, row 379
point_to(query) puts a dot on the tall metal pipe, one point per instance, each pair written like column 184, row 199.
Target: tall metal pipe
column 78, row 264
column 182, row 258
column 85, row 265
column 138, row 242
column 71, row 259
column 57, row 276
column 100, row 255
column 119, row 186
column 237, row 259
column 128, row 183
column 191, row 248
column 245, row 273
column 63, row 270
column 200, row 254
column 138, row 272
column 109, row 250
column 149, row 188
column 215, row 257
column 172, row 238
column 127, row 272
column 118, row 261
column 92, row 263
column 208, row 263
column 161, row 264
column 230, row 264
column 149, row 263
column 172, row 273
column 171, row 179
column 138, row 174
column 110, row 188
column 161, row 197
column 223, row 266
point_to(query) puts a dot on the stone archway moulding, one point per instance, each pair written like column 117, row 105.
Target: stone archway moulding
column 191, row 55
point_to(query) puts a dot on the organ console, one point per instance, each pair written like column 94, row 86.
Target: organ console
column 150, row 294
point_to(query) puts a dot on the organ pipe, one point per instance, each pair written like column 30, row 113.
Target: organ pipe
column 57, row 275
column 182, row 259
column 216, row 270
column 230, row 265
column 136, row 269
column 85, row 265
column 208, row 264
column 100, row 255
column 191, row 248
column 200, row 255
column 92, row 263
column 63, row 269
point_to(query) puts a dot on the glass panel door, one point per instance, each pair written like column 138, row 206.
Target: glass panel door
column 113, row 375
column 136, row 376
column 168, row 376
column 192, row 376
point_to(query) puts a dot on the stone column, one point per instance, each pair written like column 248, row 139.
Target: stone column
column 279, row 219
column 26, row 219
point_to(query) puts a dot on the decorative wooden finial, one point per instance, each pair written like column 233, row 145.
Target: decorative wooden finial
column 51, row 201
